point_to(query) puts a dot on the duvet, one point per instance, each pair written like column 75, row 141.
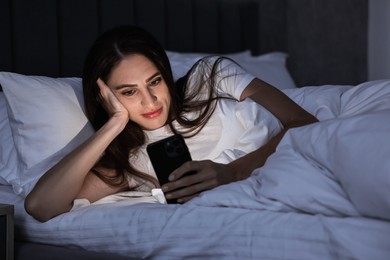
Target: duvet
column 324, row 194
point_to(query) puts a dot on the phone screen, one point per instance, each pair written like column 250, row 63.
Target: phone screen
column 167, row 155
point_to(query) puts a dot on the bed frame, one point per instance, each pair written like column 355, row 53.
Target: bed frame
column 326, row 41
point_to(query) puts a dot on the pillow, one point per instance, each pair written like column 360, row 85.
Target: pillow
column 270, row 67
column 8, row 159
column 182, row 62
column 47, row 122
column 197, row 55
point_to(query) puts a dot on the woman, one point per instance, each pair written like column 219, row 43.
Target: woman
column 132, row 100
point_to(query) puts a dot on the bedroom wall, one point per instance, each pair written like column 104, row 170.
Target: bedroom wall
column 327, row 41
column 379, row 40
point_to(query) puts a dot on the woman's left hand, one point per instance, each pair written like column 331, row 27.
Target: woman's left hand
column 204, row 175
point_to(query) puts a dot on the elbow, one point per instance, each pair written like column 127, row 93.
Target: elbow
column 310, row 119
column 33, row 207
column 301, row 121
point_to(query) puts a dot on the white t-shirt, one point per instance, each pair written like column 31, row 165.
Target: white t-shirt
column 234, row 129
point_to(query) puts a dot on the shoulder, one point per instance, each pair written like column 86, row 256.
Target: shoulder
column 213, row 69
column 214, row 63
column 224, row 74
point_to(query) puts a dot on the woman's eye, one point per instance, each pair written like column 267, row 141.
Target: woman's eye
column 129, row 92
column 155, row 82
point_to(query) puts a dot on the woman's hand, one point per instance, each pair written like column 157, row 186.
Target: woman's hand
column 110, row 102
column 194, row 177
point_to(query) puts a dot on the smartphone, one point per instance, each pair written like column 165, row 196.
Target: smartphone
column 167, row 155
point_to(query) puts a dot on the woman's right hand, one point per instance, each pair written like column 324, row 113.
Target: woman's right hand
column 110, row 102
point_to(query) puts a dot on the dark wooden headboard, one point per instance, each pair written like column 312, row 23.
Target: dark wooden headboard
column 326, row 39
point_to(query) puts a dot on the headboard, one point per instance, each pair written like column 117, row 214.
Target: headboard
column 326, row 40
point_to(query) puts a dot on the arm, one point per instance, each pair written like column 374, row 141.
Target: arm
column 210, row 174
column 281, row 106
column 72, row 178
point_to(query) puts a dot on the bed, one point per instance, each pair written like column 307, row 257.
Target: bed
column 324, row 193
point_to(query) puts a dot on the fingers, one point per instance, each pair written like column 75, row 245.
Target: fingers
column 110, row 102
column 184, row 186
column 100, row 83
column 191, row 166
column 185, row 199
column 103, row 89
column 189, row 173
column 206, row 175
column 187, row 193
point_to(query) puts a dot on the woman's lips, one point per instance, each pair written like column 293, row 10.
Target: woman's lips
column 153, row 114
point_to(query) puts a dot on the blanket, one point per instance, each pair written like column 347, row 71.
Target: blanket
column 324, row 194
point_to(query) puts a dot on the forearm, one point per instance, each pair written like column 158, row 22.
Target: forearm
column 279, row 104
column 245, row 165
column 282, row 107
column 55, row 191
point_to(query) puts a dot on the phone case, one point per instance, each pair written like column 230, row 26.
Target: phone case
column 167, row 155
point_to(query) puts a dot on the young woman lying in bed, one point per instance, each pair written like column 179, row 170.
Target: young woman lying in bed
column 132, row 100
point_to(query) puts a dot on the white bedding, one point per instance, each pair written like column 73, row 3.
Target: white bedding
column 324, row 194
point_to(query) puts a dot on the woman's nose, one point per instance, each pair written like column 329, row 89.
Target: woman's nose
column 148, row 98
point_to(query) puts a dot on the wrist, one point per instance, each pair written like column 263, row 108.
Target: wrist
column 244, row 166
column 117, row 123
column 240, row 169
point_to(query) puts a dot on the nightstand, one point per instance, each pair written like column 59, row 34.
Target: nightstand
column 6, row 232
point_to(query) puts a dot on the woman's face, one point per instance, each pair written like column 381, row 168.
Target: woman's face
column 141, row 89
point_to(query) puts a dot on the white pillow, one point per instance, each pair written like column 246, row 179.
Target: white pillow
column 47, row 122
column 197, row 55
column 8, row 159
column 182, row 62
column 270, row 67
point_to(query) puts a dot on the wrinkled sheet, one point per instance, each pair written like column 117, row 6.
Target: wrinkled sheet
column 324, row 194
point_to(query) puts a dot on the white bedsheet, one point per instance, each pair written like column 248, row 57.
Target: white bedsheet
column 324, row 194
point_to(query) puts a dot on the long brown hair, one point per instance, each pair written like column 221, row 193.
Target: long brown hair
column 189, row 101
column 105, row 54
